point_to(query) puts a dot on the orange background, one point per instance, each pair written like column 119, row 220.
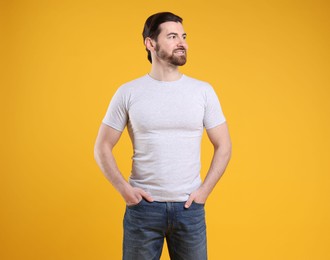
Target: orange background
column 61, row 62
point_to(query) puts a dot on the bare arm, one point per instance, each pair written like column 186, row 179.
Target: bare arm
column 105, row 142
column 219, row 137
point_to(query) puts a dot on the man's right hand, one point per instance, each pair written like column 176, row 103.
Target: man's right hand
column 133, row 196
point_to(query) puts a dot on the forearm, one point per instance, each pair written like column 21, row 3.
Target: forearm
column 105, row 142
column 217, row 168
column 108, row 165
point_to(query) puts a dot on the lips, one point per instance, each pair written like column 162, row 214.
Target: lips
column 180, row 51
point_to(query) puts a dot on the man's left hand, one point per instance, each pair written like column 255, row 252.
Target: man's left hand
column 198, row 196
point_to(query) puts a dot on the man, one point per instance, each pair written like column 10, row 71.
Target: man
column 165, row 113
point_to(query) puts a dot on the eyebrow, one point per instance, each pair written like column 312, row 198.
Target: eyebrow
column 172, row 33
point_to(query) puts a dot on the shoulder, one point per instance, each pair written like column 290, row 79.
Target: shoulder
column 129, row 86
column 203, row 89
column 199, row 84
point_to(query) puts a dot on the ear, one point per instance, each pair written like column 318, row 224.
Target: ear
column 150, row 44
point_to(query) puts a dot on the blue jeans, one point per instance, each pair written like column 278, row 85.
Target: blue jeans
column 148, row 223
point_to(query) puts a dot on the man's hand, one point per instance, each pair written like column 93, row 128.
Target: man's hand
column 219, row 137
column 133, row 196
column 105, row 142
column 198, row 196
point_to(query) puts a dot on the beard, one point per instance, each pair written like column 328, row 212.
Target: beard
column 176, row 60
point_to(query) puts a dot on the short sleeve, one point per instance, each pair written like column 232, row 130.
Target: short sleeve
column 213, row 115
column 117, row 113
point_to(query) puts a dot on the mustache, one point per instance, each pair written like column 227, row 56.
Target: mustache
column 180, row 49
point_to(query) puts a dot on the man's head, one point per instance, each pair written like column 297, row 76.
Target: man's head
column 171, row 46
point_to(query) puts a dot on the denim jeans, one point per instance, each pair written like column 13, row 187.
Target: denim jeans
column 148, row 223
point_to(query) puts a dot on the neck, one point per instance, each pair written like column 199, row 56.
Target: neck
column 165, row 73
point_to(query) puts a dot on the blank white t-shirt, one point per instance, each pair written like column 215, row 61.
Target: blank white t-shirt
column 165, row 121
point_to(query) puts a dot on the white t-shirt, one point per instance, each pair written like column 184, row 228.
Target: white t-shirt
column 165, row 121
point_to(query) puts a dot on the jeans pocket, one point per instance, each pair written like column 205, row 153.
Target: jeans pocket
column 199, row 204
column 135, row 205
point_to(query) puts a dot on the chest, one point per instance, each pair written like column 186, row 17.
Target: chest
column 166, row 110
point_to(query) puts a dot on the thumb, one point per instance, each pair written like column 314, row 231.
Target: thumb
column 146, row 196
column 189, row 202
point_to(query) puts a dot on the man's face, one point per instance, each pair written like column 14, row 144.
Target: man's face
column 171, row 45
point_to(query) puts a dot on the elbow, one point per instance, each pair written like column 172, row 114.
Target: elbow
column 229, row 151
column 97, row 153
column 225, row 150
column 100, row 152
column 102, row 156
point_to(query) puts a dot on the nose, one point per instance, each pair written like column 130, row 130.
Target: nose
column 182, row 42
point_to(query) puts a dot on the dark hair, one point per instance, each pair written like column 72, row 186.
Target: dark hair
column 151, row 27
